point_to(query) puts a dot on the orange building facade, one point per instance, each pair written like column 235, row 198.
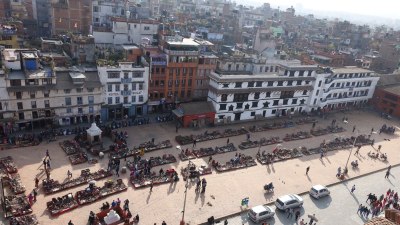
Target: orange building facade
column 71, row 16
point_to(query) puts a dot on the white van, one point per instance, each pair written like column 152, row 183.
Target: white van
column 260, row 213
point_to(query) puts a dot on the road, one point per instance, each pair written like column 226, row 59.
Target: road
column 340, row 206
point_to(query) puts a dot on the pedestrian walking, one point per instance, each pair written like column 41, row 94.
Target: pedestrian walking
column 307, row 170
column 302, row 222
column 117, row 170
column 387, row 174
column 69, row 174
column 248, row 136
column 44, row 164
column 297, row 215
column 379, row 148
column 209, row 159
column 151, row 186
column 312, row 218
column 30, row 199
column 353, row 188
column 48, row 154
column 198, row 186
column 48, row 164
column 194, row 143
column 36, row 182
column 354, row 128
column 70, row 223
column 163, row 223
column 203, row 185
column 126, row 205
column 226, row 222
column 227, row 141
column 34, row 194
column 313, row 125
column 389, row 168
column 339, row 171
column 360, row 207
column 372, row 130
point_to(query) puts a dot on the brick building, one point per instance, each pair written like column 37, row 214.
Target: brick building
column 71, row 16
column 387, row 95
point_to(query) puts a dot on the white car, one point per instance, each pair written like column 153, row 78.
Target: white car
column 260, row 213
column 289, row 201
column 319, row 191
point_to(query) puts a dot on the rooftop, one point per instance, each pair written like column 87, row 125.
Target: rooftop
column 183, row 42
column 193, row 108
column 351, row 69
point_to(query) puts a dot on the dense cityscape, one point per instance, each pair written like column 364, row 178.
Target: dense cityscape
column 154, row 92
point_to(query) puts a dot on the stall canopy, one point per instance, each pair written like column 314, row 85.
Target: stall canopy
column 94, row 133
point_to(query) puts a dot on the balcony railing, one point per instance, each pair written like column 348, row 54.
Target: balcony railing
column 126, row 93
column 188, row 53
column 126, row 80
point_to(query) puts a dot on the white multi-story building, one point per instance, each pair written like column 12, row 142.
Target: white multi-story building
column 343, row 87
column 125, row 89
column 125, row 31
column 39, row 97
column 247, row 90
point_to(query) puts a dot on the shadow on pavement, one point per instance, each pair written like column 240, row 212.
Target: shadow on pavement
column 323, row 202
column 282, row 216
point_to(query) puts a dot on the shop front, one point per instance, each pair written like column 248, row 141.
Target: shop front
column 195, row 114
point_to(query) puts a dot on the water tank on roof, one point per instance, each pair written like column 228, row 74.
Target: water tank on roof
column 30, row 64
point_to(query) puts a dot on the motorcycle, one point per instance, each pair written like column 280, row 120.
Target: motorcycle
column 269, row 187
column 354, row 164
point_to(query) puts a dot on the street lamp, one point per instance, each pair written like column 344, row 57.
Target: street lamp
column 351, row 151
column 186, row 187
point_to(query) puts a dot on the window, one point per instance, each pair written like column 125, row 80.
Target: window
column 237, row 67
column 109, row 88
column 247, row 106
column 239, row 105
column 91, row 109
column 67, row 91
column 21, row 116
column 140, row 86
column 257, row 95
column 68, row 101
column 238, row 84
column 294, row 101
column 1, row 106
column 79, row 100
column 305, row 92
column 137, row 75
column 276, row 102
column 140, row 98
column 79, row 90
column 319, row 83
column 46, row 93
column 117, row 87
column 280, row 83
column 224, row 97
column 298, row 82
column 113, row 75
column 46, row 103
column 110, row 102
column 252, row 113
column 80, row 110
column 290, row 83
column 285, row 101
column 117, row 100
column 182, row 93
column 20, row 105
column 261, row 69
column 251, row 84
column 266, row 69
column 32, row 94
column 133, row 86
column 69, row 110
column 91, row 99
column 146, row 28
column 126, row 88
column 161, row 83
column 270, row 83
column 254, row 104
column 133, row 99
column 222, row 107
column 240, row 97
column 95, row 8
column 33, row 104
column 268, row 94
column 259, row 84
column 18, row 95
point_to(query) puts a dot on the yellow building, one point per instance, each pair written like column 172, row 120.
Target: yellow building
column 8, row 36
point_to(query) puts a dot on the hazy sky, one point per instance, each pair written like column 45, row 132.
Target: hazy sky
column 381, row 8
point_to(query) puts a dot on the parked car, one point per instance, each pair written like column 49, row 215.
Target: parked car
column 319, row 191
column 289, row 201
column 260, row 213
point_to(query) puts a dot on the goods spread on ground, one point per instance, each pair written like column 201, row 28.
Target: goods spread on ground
column 297, row 136
column 24, row 220
column 327, row 130
column 14, row 182
column 271, row 126
column 203, row 152
column 146, row 146
column 240, row 161
column 279, row 155
column 139, row 179
column 262, row 142
column 7, row 165
column 78, row 158
column 94, row 193
column 60, row 205
column 206, row 136
column 52, row 186
column 193, row 171
column 152, row 162
column 70, row 147
column 16, row 205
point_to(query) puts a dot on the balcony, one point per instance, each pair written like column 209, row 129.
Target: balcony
column 186, row 53
column 126, row 80
column 159, row 63
column 126, row 93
